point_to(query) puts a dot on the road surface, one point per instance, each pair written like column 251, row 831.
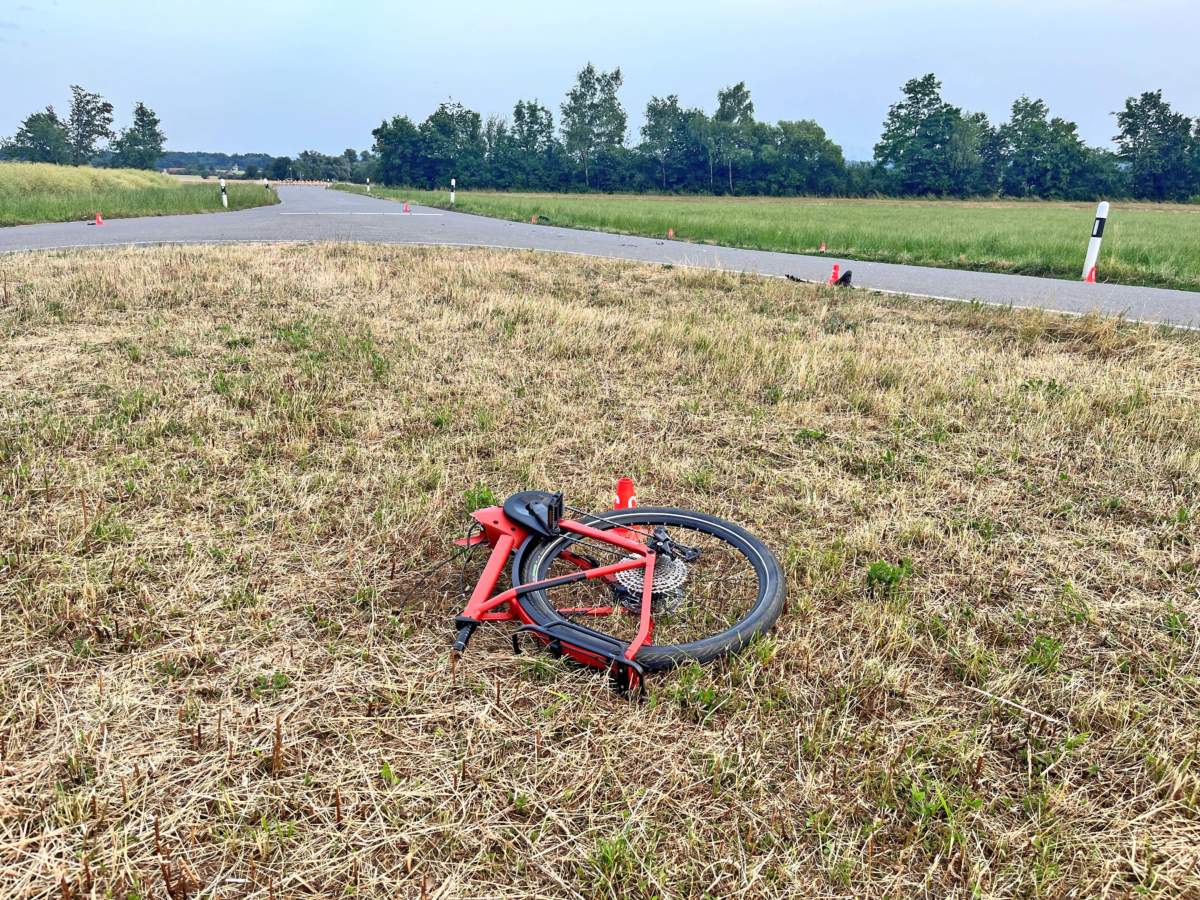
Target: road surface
column 310, row 213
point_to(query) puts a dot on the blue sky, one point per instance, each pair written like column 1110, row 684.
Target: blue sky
column 282, row 77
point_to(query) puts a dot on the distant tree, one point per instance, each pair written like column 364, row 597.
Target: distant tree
column 89, row 122
column 499, row 152
column 1160, row 148
column 535, row 154
column 704, row 133
column 141, row 145
column 42, row 137
column 593, row 120
column 397, row 147
column 280, row 168
column 253, row 172
column 733, row 123
column 1043, row 157
column 664, row 132
column 971, row 135
column 917, row 136
column 1102, row 175
column 801, row 159
column 451, row 146
column 312, row 165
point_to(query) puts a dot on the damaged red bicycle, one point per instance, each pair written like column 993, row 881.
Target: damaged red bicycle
column 631, row 591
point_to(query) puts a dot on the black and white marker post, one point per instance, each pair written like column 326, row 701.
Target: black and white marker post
column 368, row 185
column 452, row 183
column 1093, row 251
column 224, row 196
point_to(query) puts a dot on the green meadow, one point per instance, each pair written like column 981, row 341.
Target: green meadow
column 39, row 192
column 1149, row 244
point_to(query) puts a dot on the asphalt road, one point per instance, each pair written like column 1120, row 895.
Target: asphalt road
column 316, row 214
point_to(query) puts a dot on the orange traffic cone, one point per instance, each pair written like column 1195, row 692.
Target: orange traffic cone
column 626, row 499
column 533, row 219
column 405, row 208
column 822, row 250
column 626, row 495
column 99, row 219
column 670, row 234
column 1091, row 276
column 834, row 275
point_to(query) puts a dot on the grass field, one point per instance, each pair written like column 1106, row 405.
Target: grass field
column 1152, row 244
column 228, row 482
column 36, row 192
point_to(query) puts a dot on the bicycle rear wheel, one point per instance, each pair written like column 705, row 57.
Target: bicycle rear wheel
column 705, row 608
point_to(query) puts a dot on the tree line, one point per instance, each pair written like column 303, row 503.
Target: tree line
column 86, row 135
column 928, row 147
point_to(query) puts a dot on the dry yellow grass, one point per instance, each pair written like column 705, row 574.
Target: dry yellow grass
column 228, row 480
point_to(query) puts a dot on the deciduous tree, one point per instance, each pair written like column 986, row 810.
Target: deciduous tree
column 89, row 123
column 1159, row 146
column 141, row 145
column 593, row 120
column 42, row 137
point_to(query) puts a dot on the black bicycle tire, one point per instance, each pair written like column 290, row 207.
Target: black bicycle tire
column 656, row 658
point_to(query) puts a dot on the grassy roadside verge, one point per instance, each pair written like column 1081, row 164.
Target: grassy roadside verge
column 230, row 474
column 32, row 192
column 1146, row 244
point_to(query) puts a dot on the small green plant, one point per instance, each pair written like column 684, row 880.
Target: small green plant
column 1049, row 388
column 885, row 578
column 296, row 335
column 388, row 774
column 480, row 496
column 614, row 863
column 269, row 685
column 805, row 435
column 1044, row 653
column 1175, row 623
column 695, row 693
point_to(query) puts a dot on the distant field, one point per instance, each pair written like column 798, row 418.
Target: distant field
column 34, row 192
column 1151, row 244
column 229, row 480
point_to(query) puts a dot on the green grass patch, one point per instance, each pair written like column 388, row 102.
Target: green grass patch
column 1148, row 244
column 39, row 192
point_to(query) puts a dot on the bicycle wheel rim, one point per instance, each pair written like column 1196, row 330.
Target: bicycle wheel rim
column 536, row 558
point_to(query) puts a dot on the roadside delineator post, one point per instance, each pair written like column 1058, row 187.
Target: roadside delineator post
column 452, row 183
column 368, row 185
column 1093, row 250
column 670, row 234
column 224, row 196
column 833, row 277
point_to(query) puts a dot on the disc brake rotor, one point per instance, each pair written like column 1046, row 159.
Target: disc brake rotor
column 666, row 591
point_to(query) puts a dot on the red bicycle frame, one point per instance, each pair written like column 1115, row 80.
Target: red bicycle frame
column 505, row 537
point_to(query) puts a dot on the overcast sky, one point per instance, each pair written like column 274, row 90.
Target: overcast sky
column 280, row 77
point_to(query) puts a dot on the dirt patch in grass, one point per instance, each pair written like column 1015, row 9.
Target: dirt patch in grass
column 228, row 482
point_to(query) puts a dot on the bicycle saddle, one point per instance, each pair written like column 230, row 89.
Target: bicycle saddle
column 537, row 512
